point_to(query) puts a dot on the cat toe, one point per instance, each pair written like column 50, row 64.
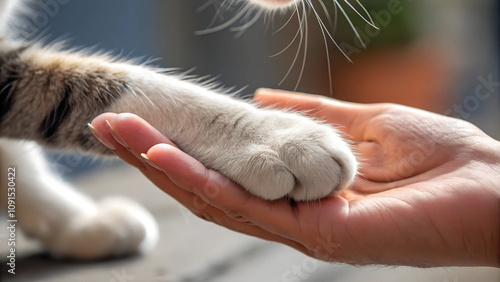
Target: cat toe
column 302, row 160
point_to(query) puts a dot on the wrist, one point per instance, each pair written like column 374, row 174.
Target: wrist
column 491, row 179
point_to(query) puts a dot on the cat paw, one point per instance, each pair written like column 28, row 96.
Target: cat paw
column 292, row 156
column 116, row 227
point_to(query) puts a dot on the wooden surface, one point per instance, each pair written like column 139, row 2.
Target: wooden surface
column 193, row 250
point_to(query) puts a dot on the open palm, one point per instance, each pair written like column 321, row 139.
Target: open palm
column 428, row 193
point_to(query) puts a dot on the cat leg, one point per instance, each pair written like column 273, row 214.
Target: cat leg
column 69, row 224
column 49, row 96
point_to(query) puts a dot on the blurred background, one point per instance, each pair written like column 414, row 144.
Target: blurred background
column 441, row 56
column 438, row 56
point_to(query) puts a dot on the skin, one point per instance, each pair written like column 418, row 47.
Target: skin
column 428, row 193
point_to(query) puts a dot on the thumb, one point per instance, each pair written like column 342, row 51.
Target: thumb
column 350, row 117
column 287, row 100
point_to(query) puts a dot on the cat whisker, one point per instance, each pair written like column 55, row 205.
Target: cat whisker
column 221, row 8
column 249, row 14
column 302, row 21
column 327, row 33
column 289, row 44
column 286, row 23
column 369, row 20
column 325, row 40
column 325, row 10
column 208, row 3
column 304, row 59
column 243, row 11
column 350, row 24
column 335, row 16
column 302, row 33
column 242, row 28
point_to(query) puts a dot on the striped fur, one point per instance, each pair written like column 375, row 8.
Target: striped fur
column 54, row 88
column 49, row 95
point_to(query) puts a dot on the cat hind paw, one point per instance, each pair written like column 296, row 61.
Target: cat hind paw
column 117, row 227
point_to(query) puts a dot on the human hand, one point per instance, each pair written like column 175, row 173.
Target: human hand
column 428, row 194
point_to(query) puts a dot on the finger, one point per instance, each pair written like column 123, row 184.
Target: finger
column 168, row 159
column 351, row 117
column 367, row 187
column 137, row 136
column 191, row 175
column 276, row 217
column 242, row 225
column 102, row 131
column 129, row 135
column 288, row 100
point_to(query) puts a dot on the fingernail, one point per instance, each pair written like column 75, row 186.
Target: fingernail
column 101, row 137
column 117, row 136
column 150, row 162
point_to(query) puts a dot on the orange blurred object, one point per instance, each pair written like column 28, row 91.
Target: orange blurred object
column 419, row 75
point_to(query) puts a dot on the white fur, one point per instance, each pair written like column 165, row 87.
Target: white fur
column 68, row 223
column 273, row 154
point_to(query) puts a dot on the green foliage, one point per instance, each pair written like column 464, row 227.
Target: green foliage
column 394, row 18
